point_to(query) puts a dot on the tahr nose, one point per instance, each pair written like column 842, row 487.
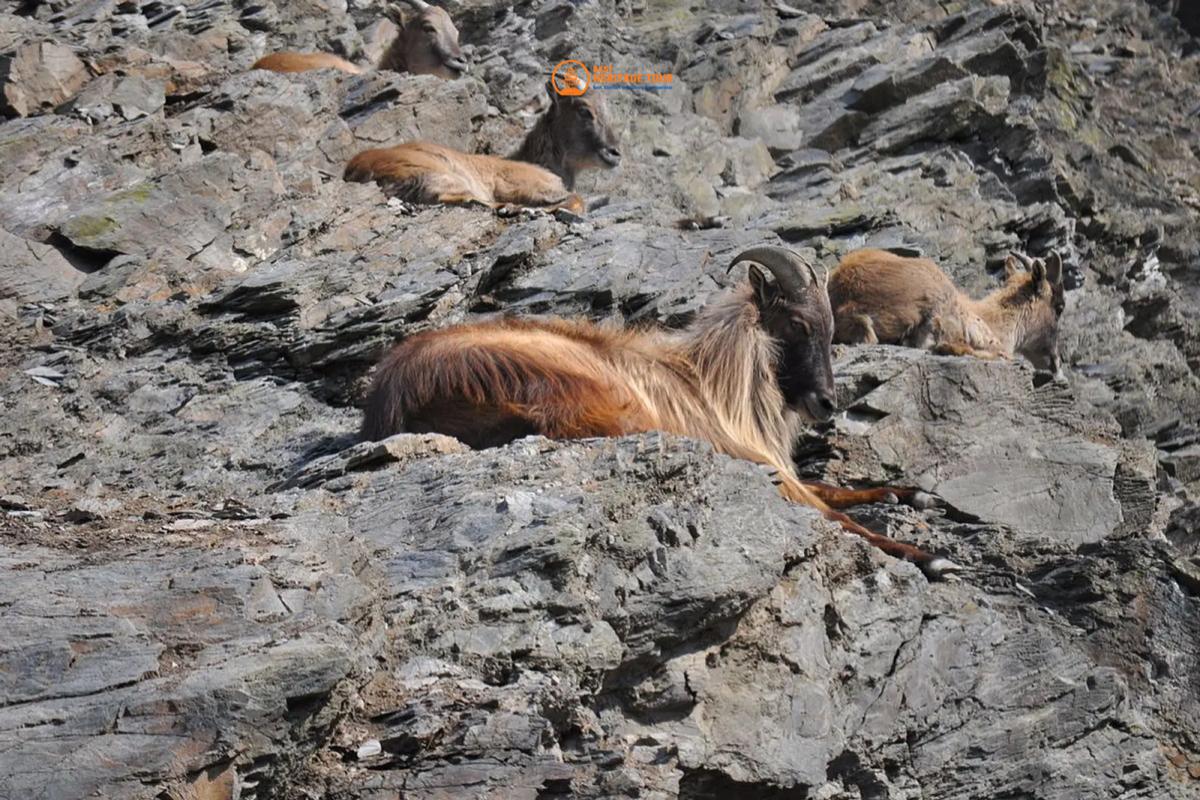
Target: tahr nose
column 820, row 405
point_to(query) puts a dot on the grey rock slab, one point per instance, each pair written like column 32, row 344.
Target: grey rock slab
column 883, row 86
column 286, row 116
column 137, row 671
column 630, row 267
column 129, row 97
column 877, row 667
column 34, row 272
column 812, row 220
column 584, row 562
column 768, row 666
column 528, row 531
column 778, row 127
column 941, row 114
column 385, row 109
column 54, row 166
column 737, row 64
column 37, row 77
column 1033, row 459
column 176, row 216
column 835, row 58
column 400, row 448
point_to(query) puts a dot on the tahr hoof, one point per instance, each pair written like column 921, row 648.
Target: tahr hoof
column 567, row 215
column 939, row 568
column 923, row 501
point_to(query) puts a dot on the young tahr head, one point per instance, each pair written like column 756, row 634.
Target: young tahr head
column 580, row 124
column 429, row 41
column 794, row 311
column 1038, row 302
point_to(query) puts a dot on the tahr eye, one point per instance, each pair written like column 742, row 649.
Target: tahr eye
column 800, row 324
column 587, row 113
column 430, row 29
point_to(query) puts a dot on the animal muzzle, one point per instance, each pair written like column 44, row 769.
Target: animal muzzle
column 819, row 405
column 453, row 61
column 1056, row 369
column 610, row 155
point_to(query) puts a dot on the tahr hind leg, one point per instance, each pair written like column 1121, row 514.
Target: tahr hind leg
column 851, row 326
column 814, row 495
column 963, row 349
column 837, row 497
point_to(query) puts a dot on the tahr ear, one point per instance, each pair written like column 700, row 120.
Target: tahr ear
column 764, row 290
column 1039, row 272
column 1054, row 268
column 551, row 92
column 396, row 14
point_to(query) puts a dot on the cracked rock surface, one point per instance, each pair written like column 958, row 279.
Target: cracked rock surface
column 209, row 588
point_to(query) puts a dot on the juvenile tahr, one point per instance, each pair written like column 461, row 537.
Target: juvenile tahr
column 880, row 297
column 426, row 44
column 573, row 135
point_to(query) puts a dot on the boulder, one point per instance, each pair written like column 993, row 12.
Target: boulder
column 38, row 77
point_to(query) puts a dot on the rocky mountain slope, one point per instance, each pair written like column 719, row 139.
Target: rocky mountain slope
column 210, row 589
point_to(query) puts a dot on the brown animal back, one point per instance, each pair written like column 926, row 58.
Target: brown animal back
column 544, row 376
column 896, row 292
column 388, row 161
column 303, row 62
column 884, row 276
column 376, row 162
column 426, row 172
column 521, row 182
column 406, row 169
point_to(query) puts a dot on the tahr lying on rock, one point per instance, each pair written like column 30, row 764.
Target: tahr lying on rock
column 745, row 376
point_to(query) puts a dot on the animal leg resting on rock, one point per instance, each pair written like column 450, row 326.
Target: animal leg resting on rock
column 573, row 203
column 814, row 495
column 933, row 566
column 464, row 199
column 852, row 327
column 963, row 349
column 837, row 497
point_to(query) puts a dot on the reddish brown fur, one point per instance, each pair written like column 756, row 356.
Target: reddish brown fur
column 303, row 62
column 425, row 44
column 548, row 376
column 573, row 135
column 880, row 297
column 423, row 172
column 491, row 382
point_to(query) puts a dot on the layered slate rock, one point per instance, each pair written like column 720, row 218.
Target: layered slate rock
column 212, row 589
column 1028, row 457
column 637, row 614
column 37, row 77
column 172, row 665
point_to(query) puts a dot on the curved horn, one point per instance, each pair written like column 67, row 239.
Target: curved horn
column 1024, row 259
column 419, row 5
column 792, row 273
